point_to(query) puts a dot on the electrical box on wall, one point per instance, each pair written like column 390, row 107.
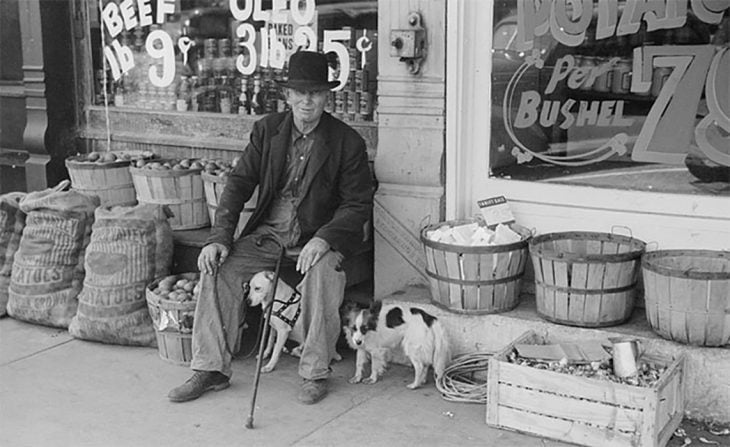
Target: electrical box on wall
column 409, row 44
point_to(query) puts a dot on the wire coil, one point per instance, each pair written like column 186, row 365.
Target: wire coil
column 460, row 383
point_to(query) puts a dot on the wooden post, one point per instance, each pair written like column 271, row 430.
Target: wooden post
column 35, row 99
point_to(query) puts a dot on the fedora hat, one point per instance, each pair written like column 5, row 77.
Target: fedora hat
column 308, row 71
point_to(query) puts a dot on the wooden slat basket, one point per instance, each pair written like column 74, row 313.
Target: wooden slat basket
column 181, row 190
column 111, row 181
column 586, row 279
column 588, row 411
column 214, row 185
column 475, row 279
column 687, row 295
column 174, row 343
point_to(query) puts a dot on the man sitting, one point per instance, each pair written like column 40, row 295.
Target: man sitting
column 315, row 193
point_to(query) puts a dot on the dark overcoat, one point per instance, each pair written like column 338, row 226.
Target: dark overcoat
column 336, row 193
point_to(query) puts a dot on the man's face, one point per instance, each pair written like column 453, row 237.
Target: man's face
column 307, row 105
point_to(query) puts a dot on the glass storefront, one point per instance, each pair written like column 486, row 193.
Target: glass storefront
column 223, row 56
column 610, row 95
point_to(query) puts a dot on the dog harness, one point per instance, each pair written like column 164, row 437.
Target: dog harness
column 294, row 300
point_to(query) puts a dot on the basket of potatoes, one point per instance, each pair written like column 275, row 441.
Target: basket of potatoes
column 215, row 174
column 106, row 175
column 175, row 183
column 171, row 302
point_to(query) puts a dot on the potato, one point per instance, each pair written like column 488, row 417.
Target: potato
column 108, row 158
column 196, row 165
column 189, row 286
column 181, row 283
column 140, row 163
column 185, row 163
column 153, row 165
column 167, row 282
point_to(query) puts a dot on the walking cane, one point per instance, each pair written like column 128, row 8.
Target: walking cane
column 265, row 317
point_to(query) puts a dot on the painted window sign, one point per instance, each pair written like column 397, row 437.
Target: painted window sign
column 178, row 54
column 587, row 85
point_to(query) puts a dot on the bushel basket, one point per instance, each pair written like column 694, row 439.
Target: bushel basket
column 173, row 322
column 181, row 190
column 214, row 186
column 585, row 279
column 110, row 181
column 475, row 279
column 687, row 294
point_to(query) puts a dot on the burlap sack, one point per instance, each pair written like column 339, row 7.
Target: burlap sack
column 129, row 248
column 12, row 222
column 48, row 268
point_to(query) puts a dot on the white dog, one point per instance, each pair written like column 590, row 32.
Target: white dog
column 374, row 332
column 284, row 315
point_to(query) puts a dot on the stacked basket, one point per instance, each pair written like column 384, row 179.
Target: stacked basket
column 586, row 279
column 475, row 279
column 213, row 184
column 105, row 175
column 687, row 294
column 176, row 184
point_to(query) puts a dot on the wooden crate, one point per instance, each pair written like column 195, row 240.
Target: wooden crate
column 586, row 279
column 475, row 279
column 687, row 295
column 580, row 410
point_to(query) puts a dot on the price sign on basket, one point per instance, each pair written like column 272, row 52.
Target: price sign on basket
column 495, row 211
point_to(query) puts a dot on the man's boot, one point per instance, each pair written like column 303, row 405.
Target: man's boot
column 312, row 391
column 198, row 384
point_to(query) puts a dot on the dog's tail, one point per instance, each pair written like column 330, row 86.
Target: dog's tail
column 441, row 351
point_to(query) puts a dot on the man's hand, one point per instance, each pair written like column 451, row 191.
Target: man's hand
column 312, row 251
column 211, row 256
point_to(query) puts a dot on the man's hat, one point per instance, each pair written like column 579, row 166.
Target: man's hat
column 308, row 71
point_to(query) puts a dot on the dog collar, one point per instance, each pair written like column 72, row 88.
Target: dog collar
column 294, row 300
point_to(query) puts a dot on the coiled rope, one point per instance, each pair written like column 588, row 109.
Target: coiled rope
column 460, row 383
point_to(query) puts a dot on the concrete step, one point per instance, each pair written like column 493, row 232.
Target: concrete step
column 707, row 369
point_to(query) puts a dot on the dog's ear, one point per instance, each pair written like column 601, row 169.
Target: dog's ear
column 269, row 275
column 375, row 307
column 347, row 308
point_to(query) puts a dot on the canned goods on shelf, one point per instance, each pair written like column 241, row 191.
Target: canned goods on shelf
column 621, row 82
column 659, row 77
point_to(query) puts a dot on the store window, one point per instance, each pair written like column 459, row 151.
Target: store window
column 221, row 56
column 614, row 94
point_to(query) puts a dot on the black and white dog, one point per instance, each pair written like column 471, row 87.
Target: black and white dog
column 375, row 331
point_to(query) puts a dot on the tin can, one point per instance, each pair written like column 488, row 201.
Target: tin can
column 588, row 63
column 357, row 76
column 329, row 106
column 353, row 105
column 340, row 99
column 224, row 101
column 659, row 77
column 209, row 48
column 604, row 81
column 621, row 82
column 224, row 47
column 366, row 106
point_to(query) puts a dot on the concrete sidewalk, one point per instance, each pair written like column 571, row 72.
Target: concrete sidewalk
column 59, row 391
